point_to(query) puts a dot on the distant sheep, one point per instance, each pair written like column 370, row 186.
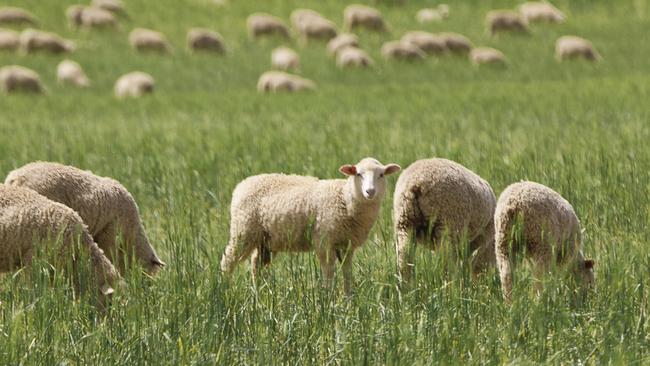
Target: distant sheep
column 457, row 43
column 199, row 39
column 437, row 199
column 9, row 40
column 272, row 213
column 284, row 58
column 311, row 25
column 114, row 6
column 570, row 47
column 104, row 204
column 535, row 221
column 400, row 50
column 278, row 81
column 18, row 16
column 134, row 84
column 487, row 55
column 353, row 57
column 341, row 41
column 430, row 15
column 90, row 17
column 70, row 72
column 261, row 24
column 363, row 16
column 427, row 42
column 32, row 40
column 142, row 39
column 505, row 21
column 537, row 11
column 16, row 78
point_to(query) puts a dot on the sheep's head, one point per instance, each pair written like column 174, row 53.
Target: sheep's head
column 369, row 177
column 585, row 272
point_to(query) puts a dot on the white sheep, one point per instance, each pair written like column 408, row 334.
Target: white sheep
column 14, row 78
column 400, row 50
column 262, row 24
column 18, row 16
column 278, row 81
column 90, row 17
column 114, row 6
column 356, row 15
column 353, row 57
column 70, row 72
column 487, row 55
column 427, row 42
column 311, row 25
column 570, row 47
column 284, row 58
column 32, row 40
column 535, row 221
column 9, row 40
column 457, row 43
column 538, row 11
column 431, row 15
column 200, row 39
column 30, row 220
column 272, row 213
column 505, row 20
column 341, row 41
column 105, row 206
column 134, row 84
column 142, row 39
column 438, row 199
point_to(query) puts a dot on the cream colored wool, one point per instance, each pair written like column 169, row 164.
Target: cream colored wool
column 276, row 81
column 134, row 84
column 201, row 39
column 355, row 16
column 284, row 58
column 431, row 15
column 538, row 11
column 9, row 40
column 262, row 24
column 399, row 50
column 90, row 17
column 486, row 55
column 32, row 40
column 13, row 15
column 427, row 42
column 341, row 41
column 114, row 6
column 457, row 43
column 142, row 39
column 353, row 57
column 571, row 47
column 505, row 21
column 14, row 78
column 70, row 72
column 310, row 25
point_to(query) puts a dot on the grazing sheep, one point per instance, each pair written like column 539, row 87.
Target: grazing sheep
column 341, row 41
column 29, row 220
column 199, row 39
column 311, row 25
column 505, row 20
column 134, row 84
column 537, row 11
column 33, row 40
column 13, row 15
column 16, row 78
column 284, row 58
column 70, row 72
column 487, row 55
column 114, row 6
column 104, row 205
column 9, row 40
column 273, row 213
column 261, row 24
column 570, row 47
column 353, row 57
column 363, row 16
column 457, row 43
column 90, row 17
column 400, row 50
column 430, row 15
column 427, row 42
column 275, row 81
column 535, row 221
column 437, row 199
column 142, row 39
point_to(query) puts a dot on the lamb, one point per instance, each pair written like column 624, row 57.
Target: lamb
column 30, row 220
column 199, row 39
column 104, row 205
column 275, row 81
column 505, row 20
column 570, row 47
column 537, row 11
column 90, row 17
column 353, row 57
column 429, row 15
column 114, row 6
column 13, row 15
column 400, row 50
column 341, row 41
column 284, row 58
column 311, row 25
column 535, row 221
column 261, row 24
column 16, row 78
column 134, row 84
column 142, row 39
column 9, row 40
column 70, row 72
column 273, row 213
column 437, row 199
column 427, row 42
column 487, row 55
column 32, row 40
column 363, row 16
column 457, row 43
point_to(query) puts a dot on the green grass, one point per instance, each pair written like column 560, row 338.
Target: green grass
column 579, row 128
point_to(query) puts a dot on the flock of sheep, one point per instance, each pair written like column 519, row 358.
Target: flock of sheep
column 308, row 24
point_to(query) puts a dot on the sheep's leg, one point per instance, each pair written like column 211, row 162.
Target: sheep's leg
column 483, row 251
column 347, row 272
column 327, row 259
column 261, row 257
column 542, row 263
column 405, row 247
column 504, row 264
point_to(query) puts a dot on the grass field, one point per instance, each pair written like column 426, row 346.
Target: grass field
column 579, row 128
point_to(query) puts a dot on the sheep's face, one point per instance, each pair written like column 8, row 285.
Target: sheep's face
column 369, row 177
column 586, row 272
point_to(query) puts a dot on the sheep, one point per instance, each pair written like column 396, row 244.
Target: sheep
column 353, row 57
column 429, row 15
column 199, row 39
column 427, row 42
column 356, row 15
column 142, row 39
column 13, row 15
column 505, row 20
column 134, row 84
column 537, row 11
column 9, row 40
column 30, row 220
column 16, row 78
column 311, row 25
column 437, row 199
column 273, row 213
column 487, row 55
column 105, row 206
column 284, row 58
column 457, row 43
column 114, row 6
column 70, row 72
column 90, row 17
column 535, row 221
column 261, row 24
column 275, row 81
column 32, row 40
column 568, row 47
column 400, row 50
column 341, row 41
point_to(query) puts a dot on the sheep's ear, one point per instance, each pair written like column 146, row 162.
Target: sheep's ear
column 158, row 262
column 392, row 168
column 348, row 169
column 589, row 264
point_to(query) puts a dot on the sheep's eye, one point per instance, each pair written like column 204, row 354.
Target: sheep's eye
column 359, row 175
column 381, row 175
